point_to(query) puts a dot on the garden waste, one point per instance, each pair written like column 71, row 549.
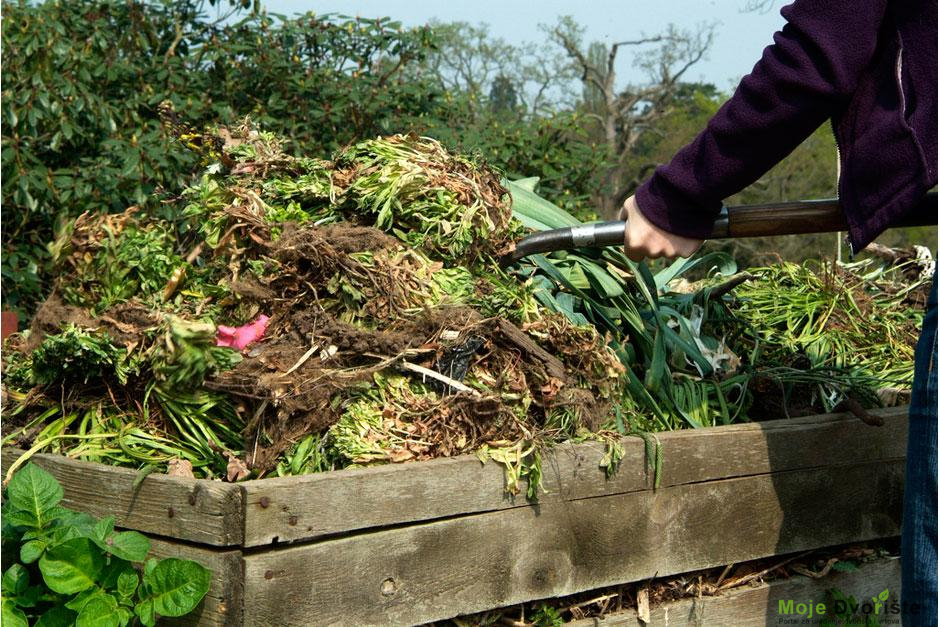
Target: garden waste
column 289, row 314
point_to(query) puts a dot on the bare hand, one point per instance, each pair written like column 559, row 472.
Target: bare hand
column 644, row 239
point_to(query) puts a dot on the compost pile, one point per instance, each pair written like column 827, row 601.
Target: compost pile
column 290, row 314
column 287, row 298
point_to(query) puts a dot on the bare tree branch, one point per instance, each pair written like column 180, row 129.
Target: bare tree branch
column 589, row 72
column 626, row 115
column 760, row 6
column 469, row 60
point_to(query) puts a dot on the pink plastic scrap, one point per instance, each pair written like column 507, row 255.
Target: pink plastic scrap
column 240, row 337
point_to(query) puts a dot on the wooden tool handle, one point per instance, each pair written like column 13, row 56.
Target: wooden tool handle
column 782, row 218
column 810, row 216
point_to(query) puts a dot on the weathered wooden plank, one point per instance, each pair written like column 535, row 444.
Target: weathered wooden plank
column 442, row 569
column 311, row 506
column 781, row 445
column 222, row 606
column 760, row 605
column 207, row 512
column 296, row 508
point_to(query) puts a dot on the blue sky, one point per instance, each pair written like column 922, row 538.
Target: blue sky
column 740, row 35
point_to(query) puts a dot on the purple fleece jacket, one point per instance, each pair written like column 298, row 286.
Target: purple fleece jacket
column 868, row 65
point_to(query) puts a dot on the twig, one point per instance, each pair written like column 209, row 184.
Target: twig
column 855, row 408
column 748, row 578
column 177, row 38
column 591, row 602
column 434, row 374
column 195, row 252
column 180, row 272
column 720, row 290
column 816, row 575
column 256, row 418
column 724, row 574
column 304, row 358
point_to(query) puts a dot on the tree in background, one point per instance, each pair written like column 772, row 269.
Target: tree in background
column 692, row 105
column 468, row 60
column 643, row 126
column 503, row 97
column 624, row 114
column 515, row 106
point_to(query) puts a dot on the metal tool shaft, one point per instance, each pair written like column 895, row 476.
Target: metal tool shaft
column 785, row 218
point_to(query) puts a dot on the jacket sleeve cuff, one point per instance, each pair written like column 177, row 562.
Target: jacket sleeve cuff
column 672, row 212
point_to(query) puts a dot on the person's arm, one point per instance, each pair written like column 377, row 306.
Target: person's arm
column 812, row 68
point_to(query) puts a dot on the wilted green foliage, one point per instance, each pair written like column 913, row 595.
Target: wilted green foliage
column 428, row 197
column 73, row 356
column 383, row 258
column 187, row 353
column 833, row 319
column 136, row 262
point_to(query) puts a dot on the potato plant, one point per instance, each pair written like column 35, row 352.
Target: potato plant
column 71, row 569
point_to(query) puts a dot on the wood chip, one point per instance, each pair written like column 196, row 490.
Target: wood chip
column 236, row 470
column 643, row 604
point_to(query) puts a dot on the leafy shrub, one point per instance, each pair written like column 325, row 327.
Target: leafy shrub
column 82, row 83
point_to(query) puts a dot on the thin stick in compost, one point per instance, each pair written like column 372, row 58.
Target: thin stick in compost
column 433, row 374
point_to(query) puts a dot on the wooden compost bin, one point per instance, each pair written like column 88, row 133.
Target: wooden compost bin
column 416, row 542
